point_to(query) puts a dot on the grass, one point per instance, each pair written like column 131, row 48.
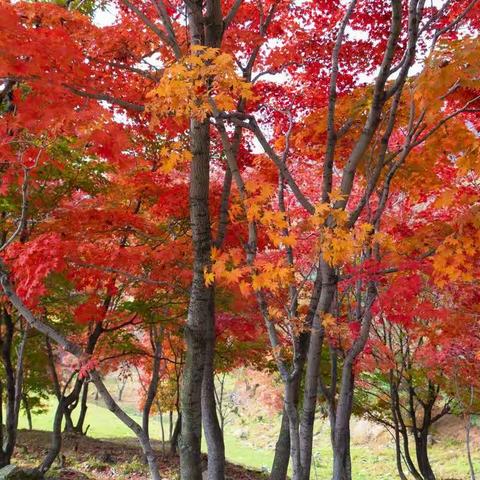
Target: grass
column 104, row 425
column 374, row 461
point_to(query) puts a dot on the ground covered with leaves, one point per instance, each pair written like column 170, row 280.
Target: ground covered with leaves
column 85, row 458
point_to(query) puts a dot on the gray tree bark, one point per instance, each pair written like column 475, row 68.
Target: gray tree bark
column 197, row 394
column 282, row 450
column 329, row 282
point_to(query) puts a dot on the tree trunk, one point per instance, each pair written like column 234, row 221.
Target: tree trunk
column 286, row 448
column 421, row 444
column 10, row 420
column 291, row 407
column 79, row 427
column 341, row 434
column 28, row 412
column 311, row 378
column 205, row 28
column 200, row 310
column 153, row 385
column 211, row 426
column 121, row 388
column 176, row 435
column 397, row 438
column 468, row 427
column 162, row 429
column 282, row 450
column 69, row 426
column 19, row 376
column 142, row 437
column 398, row 454
column 404, row 434
column 56, row 443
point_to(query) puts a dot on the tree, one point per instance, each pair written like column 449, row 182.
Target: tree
column 377, row 136
column 178, row 97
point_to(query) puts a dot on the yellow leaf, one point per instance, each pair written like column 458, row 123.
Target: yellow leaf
column 215, row 254
column 289, row 240
column 445, row 199
column 245, row 288
column 336, row 196
column 328, row 320
column 208, row 276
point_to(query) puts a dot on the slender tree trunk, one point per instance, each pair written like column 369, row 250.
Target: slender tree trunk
column 211, row 426
column 398, row 454
column 205, row 28
column 397, row 438
column 341, row 434
column 28, row 412
column 19, row 376
column 79, row 427
column 405, row 438
column 162, row 429
column 176, row 435
column 142, row 437
column 286, row 447
column 69, row 426
column 200, row 309
column 56, row 442
column 468, row 427
column 153, row 385
column 421, row 444
column 121, row 388
column 282, row 450
column 10, row 383
column 291, row 407
column 311, row 378
column 219, row 400
column 14, row 384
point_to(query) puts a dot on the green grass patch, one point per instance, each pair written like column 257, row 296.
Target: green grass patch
column 252, row 445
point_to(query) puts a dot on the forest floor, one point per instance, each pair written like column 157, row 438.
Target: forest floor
column 93, row 459
column 86, row 458
column 250, row 436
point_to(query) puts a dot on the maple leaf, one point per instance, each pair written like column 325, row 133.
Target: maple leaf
column 245, row 288
column 208, row 276
column 328, row 320
column 215, row 255
column 336, row 196
column 86, row 367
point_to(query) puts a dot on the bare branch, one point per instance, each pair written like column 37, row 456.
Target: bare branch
column 167, row 23
column 106, row 98
column 130, row 276
column 445, row 120
column 332, row 101
column 227, row 20
column 253, row 126
column 453, row 24
column 160, row 33
column 24, row 212
column 34, row 322
column 375, row 112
